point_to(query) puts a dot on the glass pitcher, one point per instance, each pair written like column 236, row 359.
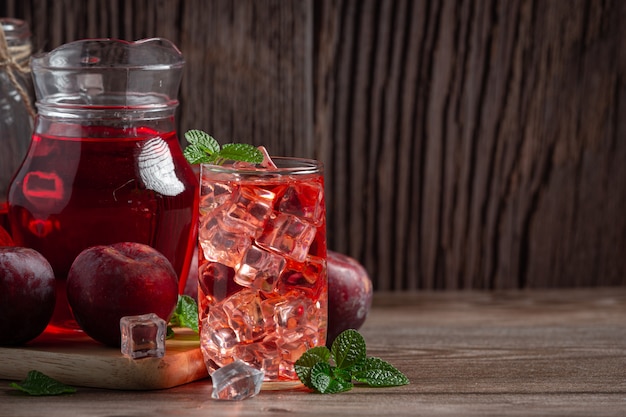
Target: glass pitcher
column 105, row 164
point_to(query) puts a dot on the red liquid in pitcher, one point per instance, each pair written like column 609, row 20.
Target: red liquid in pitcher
column 4, row 216
column 110, row 186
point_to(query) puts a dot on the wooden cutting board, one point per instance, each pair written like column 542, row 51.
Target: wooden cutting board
column 74, row 359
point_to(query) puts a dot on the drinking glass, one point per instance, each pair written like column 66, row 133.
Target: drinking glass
column 262, row 285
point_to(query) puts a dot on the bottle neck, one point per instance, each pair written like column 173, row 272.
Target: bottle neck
column 15, row 44
column 15, row 51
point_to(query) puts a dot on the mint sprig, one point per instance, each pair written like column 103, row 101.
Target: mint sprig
column 204, row 149
column 186, row 313
column 336, row 370
column 37, row 383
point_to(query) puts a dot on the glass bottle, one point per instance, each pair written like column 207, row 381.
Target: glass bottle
column 105, row 164
column 16, row 97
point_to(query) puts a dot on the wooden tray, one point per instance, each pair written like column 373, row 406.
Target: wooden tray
column 76, row 360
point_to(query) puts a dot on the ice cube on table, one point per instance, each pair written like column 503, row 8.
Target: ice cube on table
column 236, row 381
column 143, row 336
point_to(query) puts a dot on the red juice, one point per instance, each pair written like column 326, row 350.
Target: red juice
column 4, row 216
column 82, row 186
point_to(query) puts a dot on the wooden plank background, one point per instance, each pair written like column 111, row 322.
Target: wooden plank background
column 467, row 144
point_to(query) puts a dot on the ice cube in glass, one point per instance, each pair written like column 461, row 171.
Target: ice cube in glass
column 288, row 235
column 213, row 195
column 222, row 244
column 305, row 200
column 259, row 269
column 250, row 208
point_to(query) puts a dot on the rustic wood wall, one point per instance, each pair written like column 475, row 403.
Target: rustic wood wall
column 468, row 144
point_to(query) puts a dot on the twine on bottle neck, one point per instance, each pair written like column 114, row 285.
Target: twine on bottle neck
column 13, row 60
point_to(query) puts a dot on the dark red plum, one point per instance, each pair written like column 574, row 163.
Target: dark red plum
column 27, row 294
column 108, row 282
column 349, row 294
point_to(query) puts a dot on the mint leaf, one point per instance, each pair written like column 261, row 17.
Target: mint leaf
column 169, row 333
column 308, row 360
column 241, row 152
column 348, row 352
column 37, row 383
column 323, row 381
column 202, row 141
column 342, row 374
column 204, row 149
column 376, row 372
column 195, row 155
column 348, row 349
column 186, row 313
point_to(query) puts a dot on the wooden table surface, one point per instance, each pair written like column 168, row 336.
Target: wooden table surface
column 553, row 352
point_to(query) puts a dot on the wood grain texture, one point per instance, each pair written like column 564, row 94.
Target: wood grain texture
column 466, row 144
column 476, row 143
column 501, row 353
column 79, row 361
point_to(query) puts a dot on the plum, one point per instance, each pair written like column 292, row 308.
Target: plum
column 108, row 282
column 27, row 294
column 350, row 294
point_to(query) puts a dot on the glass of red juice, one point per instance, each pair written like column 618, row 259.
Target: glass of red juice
column 262, row 278
column 105, row 164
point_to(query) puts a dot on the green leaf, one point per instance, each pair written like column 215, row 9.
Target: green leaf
column 204, row 149
column 169, row 333
column 349, row 354
column 202, row 141
column 343, row 374
column 378, row 373
column 195, row 155
column 348, row 349
column 186, row 313
column 322, row 379
column 241, row 152
column 303, row 366
column 37, row 383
